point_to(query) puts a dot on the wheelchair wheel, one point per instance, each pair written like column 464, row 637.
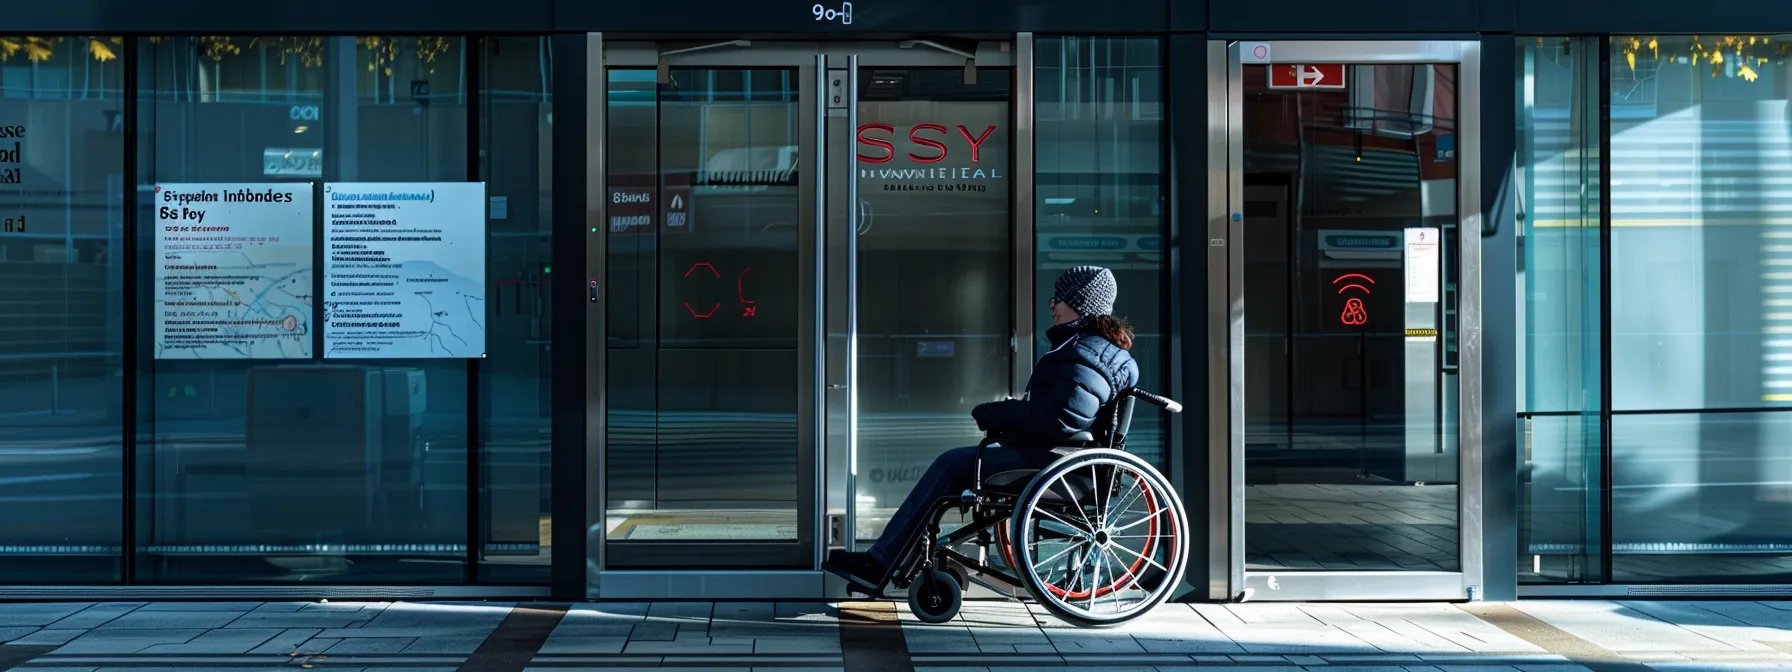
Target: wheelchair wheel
column 1099, row 538
column 935, row 597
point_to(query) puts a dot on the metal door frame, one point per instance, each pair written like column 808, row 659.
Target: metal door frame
column 1225, row 324
column 825, row 435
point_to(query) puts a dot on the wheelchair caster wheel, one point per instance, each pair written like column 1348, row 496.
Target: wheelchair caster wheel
column 935, row 598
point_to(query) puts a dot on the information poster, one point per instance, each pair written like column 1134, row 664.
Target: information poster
column 1422, row 263
column 233, row 271
column 404, row 270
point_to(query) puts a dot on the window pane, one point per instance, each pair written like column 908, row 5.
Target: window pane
column 516, row 374
column 1558, row 187
column 1701, row 286
column 1710, row 508
column 1701, row 236
column 61, row 225
column 1099, row 171
column 934, row 317
column 298, row 469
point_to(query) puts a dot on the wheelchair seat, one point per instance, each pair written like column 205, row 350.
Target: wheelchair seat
column 1011, row 483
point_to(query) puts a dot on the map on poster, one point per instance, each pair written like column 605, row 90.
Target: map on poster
column 233, row 271
column 404, row 271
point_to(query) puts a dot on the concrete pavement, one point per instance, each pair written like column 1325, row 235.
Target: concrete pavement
column 1531, row 636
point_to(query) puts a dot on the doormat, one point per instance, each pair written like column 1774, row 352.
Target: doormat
column 709, row 532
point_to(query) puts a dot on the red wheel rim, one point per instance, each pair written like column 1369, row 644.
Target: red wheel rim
column 1003, row 537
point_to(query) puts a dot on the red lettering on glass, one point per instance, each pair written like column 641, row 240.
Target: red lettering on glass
column 740, row 290
column 939, row 149
column 925, row 142
column 718, row 276
column 976, row 145
column 889, row 149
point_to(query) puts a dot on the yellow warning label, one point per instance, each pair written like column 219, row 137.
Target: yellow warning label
column 1421, row 333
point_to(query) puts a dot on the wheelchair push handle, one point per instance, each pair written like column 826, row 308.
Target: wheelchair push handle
column 1161, row 402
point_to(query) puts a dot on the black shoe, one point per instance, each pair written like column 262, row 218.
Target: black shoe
column 859, row 568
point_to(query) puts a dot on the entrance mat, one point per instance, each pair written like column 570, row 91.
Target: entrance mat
column 711, row 532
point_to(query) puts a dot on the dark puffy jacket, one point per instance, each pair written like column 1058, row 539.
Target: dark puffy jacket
column 1070, row 384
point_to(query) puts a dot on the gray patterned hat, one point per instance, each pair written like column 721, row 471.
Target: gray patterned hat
column 1088, row 290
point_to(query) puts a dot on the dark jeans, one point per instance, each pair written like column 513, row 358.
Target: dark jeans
column 953, row 472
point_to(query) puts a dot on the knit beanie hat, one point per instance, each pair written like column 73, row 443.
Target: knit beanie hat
column 1088, row 290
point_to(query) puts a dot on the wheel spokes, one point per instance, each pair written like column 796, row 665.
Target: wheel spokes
column 1101, row 572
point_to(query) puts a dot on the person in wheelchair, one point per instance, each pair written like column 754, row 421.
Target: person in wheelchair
column 1088, row 366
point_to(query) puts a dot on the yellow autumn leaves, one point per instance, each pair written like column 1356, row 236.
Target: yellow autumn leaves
column 37, row 49
column 386, row 50
column 307, row 51
column 1742, row 51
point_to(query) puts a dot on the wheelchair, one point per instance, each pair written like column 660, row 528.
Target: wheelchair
column 1098, row 537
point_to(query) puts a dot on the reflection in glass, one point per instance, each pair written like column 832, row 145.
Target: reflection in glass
column 1099, row 173
column 1701, row 287
column 61, row 224
column 515, row 376
column 1349, row 220
column 299, row 470
column 934, row 298
column 702, row 381
column 1700, row 512
column 1559, row 385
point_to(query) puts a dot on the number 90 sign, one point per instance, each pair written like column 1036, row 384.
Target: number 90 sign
column 843, row 14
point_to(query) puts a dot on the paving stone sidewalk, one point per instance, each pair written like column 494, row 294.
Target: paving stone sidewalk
column 1531, row 636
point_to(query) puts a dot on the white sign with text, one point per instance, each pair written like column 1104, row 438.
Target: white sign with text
column 233, row 271
column 404, row 271
column 1423, row 257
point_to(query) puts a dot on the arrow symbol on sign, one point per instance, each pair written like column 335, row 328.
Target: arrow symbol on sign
column 1308, row 75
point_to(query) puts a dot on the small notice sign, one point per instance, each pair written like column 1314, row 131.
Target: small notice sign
column 1423, row 250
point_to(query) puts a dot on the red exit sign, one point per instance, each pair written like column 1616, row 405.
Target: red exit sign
column 1306, row 76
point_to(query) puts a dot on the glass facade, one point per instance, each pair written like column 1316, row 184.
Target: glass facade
column 62, row 260
column 1653, row 321
column 266, row 463
column 1656, row 309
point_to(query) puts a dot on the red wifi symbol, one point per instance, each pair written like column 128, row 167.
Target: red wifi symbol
column 1350, row 280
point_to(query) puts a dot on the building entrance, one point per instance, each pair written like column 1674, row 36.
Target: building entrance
column 1351, row 277
column 806, row 279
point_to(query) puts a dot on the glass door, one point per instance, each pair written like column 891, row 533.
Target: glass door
column 1351, row 459
column 806, row 283
column 922, row 228
column 709, row 284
